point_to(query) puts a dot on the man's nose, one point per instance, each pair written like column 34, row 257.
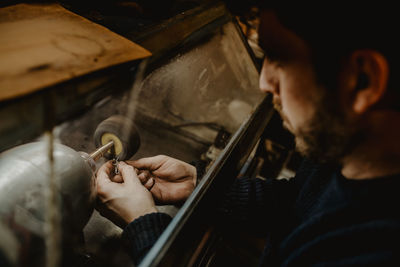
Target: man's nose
column 269, row 82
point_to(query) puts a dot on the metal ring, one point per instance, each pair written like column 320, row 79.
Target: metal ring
column 152, row 184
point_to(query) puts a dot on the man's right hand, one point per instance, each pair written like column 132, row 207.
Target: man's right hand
column 169, row 180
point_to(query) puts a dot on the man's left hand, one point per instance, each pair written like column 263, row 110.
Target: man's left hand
column 122, row 199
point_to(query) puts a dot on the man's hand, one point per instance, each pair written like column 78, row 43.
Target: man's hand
column 168, row 179
column 122, row 198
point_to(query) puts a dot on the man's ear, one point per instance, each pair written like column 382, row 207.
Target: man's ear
column 370, row 72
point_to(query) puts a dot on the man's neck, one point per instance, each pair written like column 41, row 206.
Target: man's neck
column 379, row 154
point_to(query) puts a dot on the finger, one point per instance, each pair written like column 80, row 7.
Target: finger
column 103, row 182
column 151, row 163
column 103, row 174
column 117, row 179
column 144, row 176
column 106, row 167
column 128, row 173
column 149, row 184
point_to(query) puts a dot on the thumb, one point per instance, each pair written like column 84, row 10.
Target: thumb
column 103, row 181
column 151, row 163
column 103, row 174
column 128, row 173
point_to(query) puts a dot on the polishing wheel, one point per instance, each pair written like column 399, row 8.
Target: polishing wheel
column 123, row 132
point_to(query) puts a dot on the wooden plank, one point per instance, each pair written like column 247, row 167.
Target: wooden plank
column 44, row 44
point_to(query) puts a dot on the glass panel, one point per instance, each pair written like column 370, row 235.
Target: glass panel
column 186, row 108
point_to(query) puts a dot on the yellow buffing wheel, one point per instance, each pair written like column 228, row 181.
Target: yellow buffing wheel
column 123, row 132
column 107, row 137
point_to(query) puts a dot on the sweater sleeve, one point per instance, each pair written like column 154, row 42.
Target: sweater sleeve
column 141, row 234
column 257, row 204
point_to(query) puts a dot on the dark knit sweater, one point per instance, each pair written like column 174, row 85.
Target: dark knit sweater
column 318, row 218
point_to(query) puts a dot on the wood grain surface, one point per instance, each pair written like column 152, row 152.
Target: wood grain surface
column 44, row 44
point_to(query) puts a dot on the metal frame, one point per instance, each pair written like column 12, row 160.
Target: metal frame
column 185, row 234
column 186, row 237
column 190, row 235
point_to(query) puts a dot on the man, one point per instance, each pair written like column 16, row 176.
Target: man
column 332, row 73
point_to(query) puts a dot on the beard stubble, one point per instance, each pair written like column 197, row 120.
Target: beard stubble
column 328, row 135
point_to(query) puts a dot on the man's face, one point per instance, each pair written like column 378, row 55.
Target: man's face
column 308, row 110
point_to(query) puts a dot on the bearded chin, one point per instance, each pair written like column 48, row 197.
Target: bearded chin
column 312, row 148
column 327, row 139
